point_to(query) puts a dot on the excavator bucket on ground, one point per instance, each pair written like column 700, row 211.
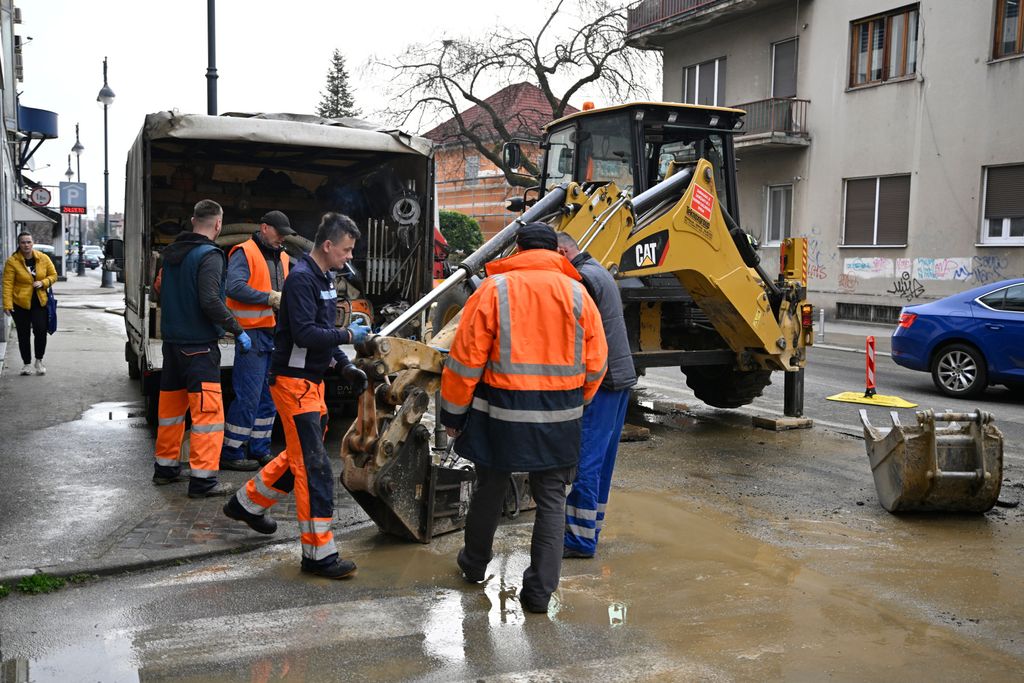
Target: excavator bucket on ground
column 924, row 468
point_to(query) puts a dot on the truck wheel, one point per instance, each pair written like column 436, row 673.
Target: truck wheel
column 723, row 387
column 151, row 404
column 134, row 372
column 447, row 307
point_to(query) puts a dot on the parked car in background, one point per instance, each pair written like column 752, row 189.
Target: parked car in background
column 92, row 257
column 967, row 341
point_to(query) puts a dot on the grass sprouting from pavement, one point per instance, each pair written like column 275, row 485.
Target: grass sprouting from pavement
column 82, row 578
column 40, row 583
column 4, row 591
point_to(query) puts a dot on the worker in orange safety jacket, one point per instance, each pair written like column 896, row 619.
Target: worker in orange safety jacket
column 529, row 353
column 256, row 272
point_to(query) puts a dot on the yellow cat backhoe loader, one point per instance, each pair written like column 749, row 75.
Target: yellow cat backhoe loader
column 694, row 293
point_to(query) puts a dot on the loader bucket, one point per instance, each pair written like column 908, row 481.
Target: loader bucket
column 923, row 468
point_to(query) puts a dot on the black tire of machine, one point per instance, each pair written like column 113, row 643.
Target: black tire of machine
column 447, row 307
column 724, row 387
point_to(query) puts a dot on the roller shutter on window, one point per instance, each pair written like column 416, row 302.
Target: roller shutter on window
column 1004, row 192
column 877, row 211
column 860, row 211
column 893, row 209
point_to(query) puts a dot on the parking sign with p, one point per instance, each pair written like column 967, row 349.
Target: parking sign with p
column 72, row 198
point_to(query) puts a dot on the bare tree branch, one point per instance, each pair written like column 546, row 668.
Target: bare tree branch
column 579, row 44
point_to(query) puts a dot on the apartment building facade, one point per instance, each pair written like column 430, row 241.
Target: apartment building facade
column 887, row 133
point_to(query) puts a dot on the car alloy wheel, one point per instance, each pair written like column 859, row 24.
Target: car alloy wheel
column 959, row 371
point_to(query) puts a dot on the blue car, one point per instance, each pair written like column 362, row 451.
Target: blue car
column 967, row 341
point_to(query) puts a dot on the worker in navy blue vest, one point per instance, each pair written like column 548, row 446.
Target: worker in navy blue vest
column 194, row 317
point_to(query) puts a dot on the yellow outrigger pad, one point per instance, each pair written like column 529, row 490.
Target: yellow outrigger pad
column 876, row 400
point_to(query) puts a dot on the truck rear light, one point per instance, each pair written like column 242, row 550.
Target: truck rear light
column 806, row 316
column 907, row 319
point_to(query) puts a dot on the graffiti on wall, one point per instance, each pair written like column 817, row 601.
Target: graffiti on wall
column 986, row 269
column 847, row 282
column 868, row 267
column 817, row 263
column 942, row 268
column 906, row 287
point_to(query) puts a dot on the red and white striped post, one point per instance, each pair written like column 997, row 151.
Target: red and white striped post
column 869, row 391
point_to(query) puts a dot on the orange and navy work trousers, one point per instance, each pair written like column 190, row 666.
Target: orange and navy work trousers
column 302, row 467
column 190, row 383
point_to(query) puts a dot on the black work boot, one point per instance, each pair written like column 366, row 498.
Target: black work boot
column 339, row 569
column 264, row 524
column 244, row 465
column 162, row 480
column 219, row 489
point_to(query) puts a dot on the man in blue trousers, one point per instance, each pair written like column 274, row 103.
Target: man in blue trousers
column 603, row 417
column 256, row 272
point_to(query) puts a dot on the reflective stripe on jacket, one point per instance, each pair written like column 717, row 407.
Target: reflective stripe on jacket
column 529, row 353
column 255, row 315
column 306, row 338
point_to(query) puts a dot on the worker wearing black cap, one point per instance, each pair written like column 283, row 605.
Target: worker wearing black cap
column 256, row 272
column 528, row 354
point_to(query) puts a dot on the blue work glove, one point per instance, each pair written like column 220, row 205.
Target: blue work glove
column 355, row 377
column 244, row 341
column 358, row 331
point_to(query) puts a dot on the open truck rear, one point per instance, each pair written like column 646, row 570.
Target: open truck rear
column 302, row 165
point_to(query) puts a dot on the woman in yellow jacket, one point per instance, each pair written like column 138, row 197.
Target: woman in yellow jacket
column 27, row 275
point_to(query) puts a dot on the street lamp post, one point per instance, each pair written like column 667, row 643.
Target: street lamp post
column 106, row 98
column 77, row 151
column 64, row 263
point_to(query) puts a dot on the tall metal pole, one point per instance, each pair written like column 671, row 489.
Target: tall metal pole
column 106, row 97
column 77, row 149
column 211, row 69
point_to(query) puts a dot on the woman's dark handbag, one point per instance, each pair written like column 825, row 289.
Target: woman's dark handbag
column 51, row 311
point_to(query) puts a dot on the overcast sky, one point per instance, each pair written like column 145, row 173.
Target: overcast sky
column 272, row 55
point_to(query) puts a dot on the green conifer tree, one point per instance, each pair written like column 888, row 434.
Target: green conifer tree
column 336, row 100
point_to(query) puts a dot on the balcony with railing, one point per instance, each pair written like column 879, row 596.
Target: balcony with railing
column 649, row 22
column 775, row 123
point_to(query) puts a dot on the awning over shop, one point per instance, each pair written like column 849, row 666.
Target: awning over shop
column 26, row 214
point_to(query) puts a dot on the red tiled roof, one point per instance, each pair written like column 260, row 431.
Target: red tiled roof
column 523, row 108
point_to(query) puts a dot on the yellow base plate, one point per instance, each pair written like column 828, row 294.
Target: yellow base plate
column 876, row 400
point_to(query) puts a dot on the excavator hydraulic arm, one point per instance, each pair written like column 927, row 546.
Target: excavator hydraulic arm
column 675, row 227
column 689, row 238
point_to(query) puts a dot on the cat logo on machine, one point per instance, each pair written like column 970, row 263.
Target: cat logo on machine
column 649, row 253
column 646, row 254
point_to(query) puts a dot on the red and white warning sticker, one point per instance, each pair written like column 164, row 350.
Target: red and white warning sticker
column 702, row 202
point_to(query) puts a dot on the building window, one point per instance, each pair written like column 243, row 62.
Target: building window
column 1009, row 29
column 472, row 169
column 877, row 211
column 784, row 68
column 1003, row 213
column 780, row 213
column 883, row 47
column 705, row 83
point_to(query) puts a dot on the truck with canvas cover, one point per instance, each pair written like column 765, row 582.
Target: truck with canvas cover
column 301, row 165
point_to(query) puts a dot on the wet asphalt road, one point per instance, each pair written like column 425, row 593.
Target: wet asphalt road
column 730, row 554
